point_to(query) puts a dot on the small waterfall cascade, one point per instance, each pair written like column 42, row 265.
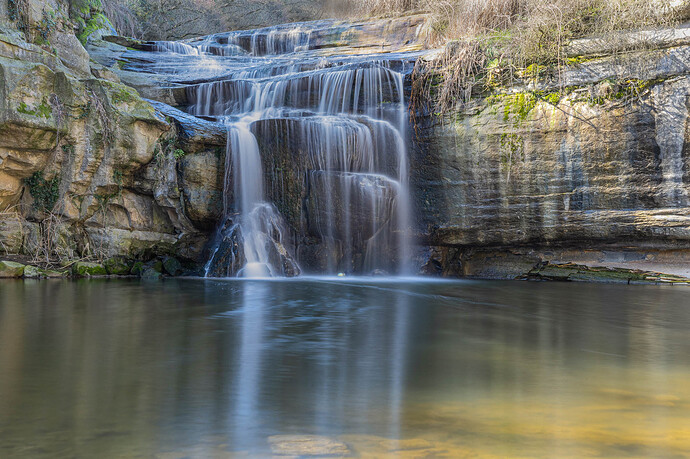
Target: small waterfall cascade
column 316, row 172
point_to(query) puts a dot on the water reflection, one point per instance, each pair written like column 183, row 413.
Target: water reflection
column 202, row 368
column 246, row 412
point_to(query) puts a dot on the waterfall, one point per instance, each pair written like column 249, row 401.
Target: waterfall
column 316, row 176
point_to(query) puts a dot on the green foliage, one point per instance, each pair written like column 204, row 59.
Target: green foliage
column 23, row 108
column 512, row 149
column 166, row 148
column 45, row 192
column 86, row 111
column 68, row 149
column 118, row 179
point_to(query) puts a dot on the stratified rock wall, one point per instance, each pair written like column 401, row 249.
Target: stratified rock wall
column 87, row 167
column 598, row 163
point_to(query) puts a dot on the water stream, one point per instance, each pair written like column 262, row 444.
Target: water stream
column 324, row 132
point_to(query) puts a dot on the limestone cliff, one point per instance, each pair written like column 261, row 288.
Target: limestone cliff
column 88, row 169
column 593, row 168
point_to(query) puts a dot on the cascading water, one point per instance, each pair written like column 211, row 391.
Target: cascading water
column 316, row 165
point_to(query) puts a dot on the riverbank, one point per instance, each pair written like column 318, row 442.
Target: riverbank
column 19, row 267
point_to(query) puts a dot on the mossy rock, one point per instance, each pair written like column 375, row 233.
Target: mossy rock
column 151, row 274
column 54, row 274
column 117, row 266
column 172, row 266
column 32, row 272
column 138, row 269
column 156, row 266
column 10, row 269
column 84, row 269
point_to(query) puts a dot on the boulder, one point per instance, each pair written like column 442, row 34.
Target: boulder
column 172, row 266
column 10, row 269
column 138, row 268
column 33, row 272
column 86, row 269
column 117, row 266
column 151, row 274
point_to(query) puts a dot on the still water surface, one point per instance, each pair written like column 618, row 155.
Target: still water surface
column 194, row 368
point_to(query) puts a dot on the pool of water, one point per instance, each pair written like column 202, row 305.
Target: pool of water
column 363, row 368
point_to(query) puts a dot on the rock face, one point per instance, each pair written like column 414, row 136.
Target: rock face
column 87, row 167
column 599, row 165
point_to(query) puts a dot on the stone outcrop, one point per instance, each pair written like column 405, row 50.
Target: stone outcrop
column 595, row 162
column 87, row 167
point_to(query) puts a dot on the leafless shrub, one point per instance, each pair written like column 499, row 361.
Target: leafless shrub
column 123, row 18
column 96, row 103
column 486, row 40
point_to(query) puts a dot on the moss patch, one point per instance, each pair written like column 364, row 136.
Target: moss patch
column 43, row 110
column 96, row 23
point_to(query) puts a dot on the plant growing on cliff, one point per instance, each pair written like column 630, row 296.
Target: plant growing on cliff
column 489, row 43
column 46, row 27
column 166, row 148
column 17, row 11
column 45, row 192
column 96, row 104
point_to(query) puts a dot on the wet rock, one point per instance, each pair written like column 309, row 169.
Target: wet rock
column 172, row 266
column 87, row 269
column 10, row 269
column 307, row 445
column 117, row 266
column 156, row 265
column 32, row 272
column 138, row 268
column 151, row 274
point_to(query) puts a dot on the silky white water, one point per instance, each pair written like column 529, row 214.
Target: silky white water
column 343, row 122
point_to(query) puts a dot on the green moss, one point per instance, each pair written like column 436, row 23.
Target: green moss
column 118, row 178
column 517, row 106
column 43, row 110
column 137, row 268
column 117, row 266
column 68, row 149
column 122, row 95
column 23, row 108
column 84, row 269
column 45, row 192
column 622, row 90
column 97, row 22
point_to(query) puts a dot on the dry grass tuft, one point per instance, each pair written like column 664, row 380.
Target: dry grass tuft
column 486, row 42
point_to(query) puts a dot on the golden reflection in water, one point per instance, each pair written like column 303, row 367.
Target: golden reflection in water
column 176, row 370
